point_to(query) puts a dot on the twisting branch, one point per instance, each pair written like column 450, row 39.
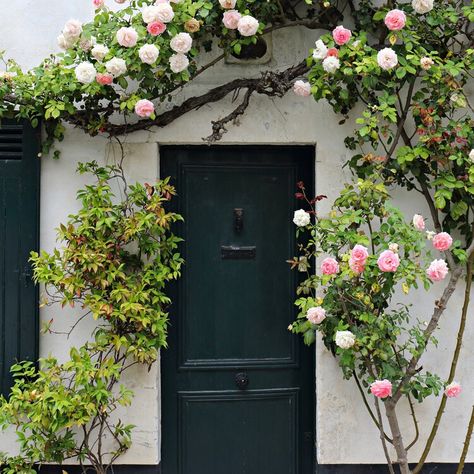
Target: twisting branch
column 274, row 84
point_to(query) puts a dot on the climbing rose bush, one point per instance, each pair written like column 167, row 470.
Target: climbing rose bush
column 368, row 258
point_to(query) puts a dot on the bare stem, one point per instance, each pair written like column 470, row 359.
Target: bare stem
column 467, row 442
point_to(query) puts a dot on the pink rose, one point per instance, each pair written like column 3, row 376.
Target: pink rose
column 98, row 3
column 228, row 3
column 316, row 315
column 419, row 222
column 329, row 266
column 144, row 108
column 104, row 79
column 388, row 261
column 302, row 88
column 155, row 28
column 381, row 388
column 231, row 19
column 395, row 20
column 442, row 241
column 341, row 35
column 359, row 254
column 332, row 52
column 355, row 266
column 453, row 390
column 437, row 270
column 127, row 37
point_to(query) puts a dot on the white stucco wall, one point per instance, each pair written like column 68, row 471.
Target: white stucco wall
column 344, row 432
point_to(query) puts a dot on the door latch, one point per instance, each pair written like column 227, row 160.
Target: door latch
column 238, row 220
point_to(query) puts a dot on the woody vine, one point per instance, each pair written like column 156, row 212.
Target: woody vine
column 406, row 65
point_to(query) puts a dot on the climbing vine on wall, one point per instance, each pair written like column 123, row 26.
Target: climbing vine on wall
column 398, row 70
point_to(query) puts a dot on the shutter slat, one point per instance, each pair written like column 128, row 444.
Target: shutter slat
column 11, row 142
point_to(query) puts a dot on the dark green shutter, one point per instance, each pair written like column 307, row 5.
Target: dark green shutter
column 19, row 221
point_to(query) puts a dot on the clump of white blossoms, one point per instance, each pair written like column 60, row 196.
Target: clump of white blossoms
column 331, row 64
column 148, row 53
column 99, row 51
column 85, row 72
column 422, row 6
column 301, row 218
column 345, row 339
column 116, row 66
column 387, row 58
column 321, row 51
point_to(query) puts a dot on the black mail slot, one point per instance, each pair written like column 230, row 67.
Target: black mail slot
column 229, row 252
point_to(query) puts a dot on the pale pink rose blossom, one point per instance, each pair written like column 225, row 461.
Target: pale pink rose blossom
column 155, row 28
column 437, row 270
column 359, row 254
column 316, row 315
column 181, row 43
column 302, row 88
column 331, row 64
column 356, row 267
column 395, row 20
column 148, row 53
column 426, row 63
column 127, row 37
column 120, row 1
column 228, row 3
column 72, row 30
column 388, row 261
column 419, row 222
column 341, row 35
column 453, row 390
column 178, row 62
column 231, row 19
column 98, row 3
column 329, row 266
column 442, row 241
column 387, row 58
column 144, row 108
column 247, row 25
column 104, row 79
column 381, row 388
column 165, row 12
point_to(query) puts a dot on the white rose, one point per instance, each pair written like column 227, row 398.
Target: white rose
column 164, row 12
column 65, row 43
column 85, row 72
column 228, row 3
column 99, row 51
column 393, row 247
column 72, row 29
column 426, row 63
column 422, row 6
column 331, row 64
column 321, row 51
column 302, row 88
column 471, row 155
column 150, row 13
column 148, row 53
column 116, row 67
column 181, row 43
column 178, row 62
column 387, row 58
column 248, row 25
column 301, row 218
column 345, row 339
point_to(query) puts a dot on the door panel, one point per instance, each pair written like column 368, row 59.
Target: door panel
column 19, row 191
column 237, row 385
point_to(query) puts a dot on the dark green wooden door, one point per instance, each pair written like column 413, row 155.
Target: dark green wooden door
column 19, row 191
column 237, row 387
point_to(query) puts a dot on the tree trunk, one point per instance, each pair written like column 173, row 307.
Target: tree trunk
column 402, row 457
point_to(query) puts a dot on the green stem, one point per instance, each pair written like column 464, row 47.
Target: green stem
column 454, row 363
column 467, row 442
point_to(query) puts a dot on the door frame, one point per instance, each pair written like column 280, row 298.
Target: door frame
column 311, row 147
